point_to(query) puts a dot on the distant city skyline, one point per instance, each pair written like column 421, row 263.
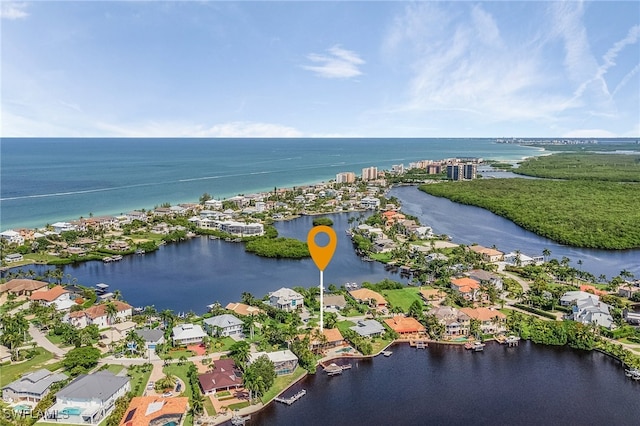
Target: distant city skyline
column 320, row 69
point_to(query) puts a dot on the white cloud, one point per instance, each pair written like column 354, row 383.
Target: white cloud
column 242, row 129
column 339, row 63
column 626, row 79
column 13, row 10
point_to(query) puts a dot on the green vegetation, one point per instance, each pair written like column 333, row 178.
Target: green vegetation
column 81, row 360
column 578, row 213
column 325, row 221
column 402, row 298
column 281, row 383
column 282, row 247
column 9, row 373
column 584, row 166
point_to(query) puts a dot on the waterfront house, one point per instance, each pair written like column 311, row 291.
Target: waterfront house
column 241, row 309
column 213, row 204
column 456, row 323
column 330, row 338
column 31, row 387
column 89, row 398
column 156, row 411
column 118, row 246
column 162, row 212
column 12, row 237
column 225, row 325
column 370, row 297
column 591, row 310
column 468, row 288
column 334, row 301
column 223, row 376
column 405, row 326
column 188, row 334
column 571, row 297
column 521, row 259
column 285, row 362
column 370, row 203
column 152, row 337
column 242, row 229
column 286, row 299
column 60, row 227
column 488, row 254
column 368, row 328
column 97, row 314
column 14, row 257
column 22, row 287
column 57, row 296
column 137, row 215
column 436, row 256
column 491, row 320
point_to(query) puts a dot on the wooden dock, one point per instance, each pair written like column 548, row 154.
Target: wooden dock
column 292, row 399
column 418, row 344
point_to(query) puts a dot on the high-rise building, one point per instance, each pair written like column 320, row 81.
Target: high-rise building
column 454, row 172
column 469, row 171
column 345, row 177
column 370, row 173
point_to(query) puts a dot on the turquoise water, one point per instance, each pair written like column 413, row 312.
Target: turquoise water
column 48, row 180
column 22, row 407
column 71, row 411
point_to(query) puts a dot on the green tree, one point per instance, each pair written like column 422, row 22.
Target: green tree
column 80, row 360
column 262, row 374
column 240, row 352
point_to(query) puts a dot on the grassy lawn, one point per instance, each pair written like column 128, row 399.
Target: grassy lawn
column 9, row 373
column 344, row 325
column 114, row 368
column 282, row 383
column 222, row 345
column 178, row 354
column 208, row 406
column 139, row 378
column 379, row 343
column 56, row 340
column 238, row 405
column 381, row 257
column 180, row 371
column 402, row 298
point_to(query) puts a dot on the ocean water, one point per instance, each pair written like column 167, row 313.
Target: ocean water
column 48, row 180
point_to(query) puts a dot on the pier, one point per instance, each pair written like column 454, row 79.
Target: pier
column 293, row 398
column 418, row 344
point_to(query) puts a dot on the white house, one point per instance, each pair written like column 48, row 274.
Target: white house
column 213, row 204
column 12, row 237
column 223, row 325
column 587, row 308
column 97, row 314
column 286, row 299
column 31, row 387
column 56, row 296
column 14, row 257
column 59, row 227
column 89, row 398
column 368, row 328
column 188, row 334
column 370, row 203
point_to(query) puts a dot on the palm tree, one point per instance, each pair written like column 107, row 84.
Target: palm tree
column 546, row 253
column 111, row 311
column 167, row 382
column 240, row 352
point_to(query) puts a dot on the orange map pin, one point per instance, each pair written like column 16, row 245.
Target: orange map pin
column 322, row 255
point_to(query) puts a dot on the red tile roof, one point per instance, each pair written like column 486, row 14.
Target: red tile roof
column 401, row 324
column 146, row 410
column 49, row 295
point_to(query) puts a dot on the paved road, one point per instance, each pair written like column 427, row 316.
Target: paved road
column 43, row 342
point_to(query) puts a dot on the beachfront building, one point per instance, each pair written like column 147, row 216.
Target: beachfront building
column 405, row 326
column 456, row 323
column 242, row 229
column 22, row 287
column 468, row 288
column 286, row 299
column 98, row 315
column 345, row 177
column 12, row 237
column 187, row 334
column 285, row 362
column 156, row 411
column 56, row 296
column 31, row 387
column 225, row 325
column 369, row 297
column 491, row 320
column 223, row 376
column 89, row 398
column 368, row 328
column 370, row 173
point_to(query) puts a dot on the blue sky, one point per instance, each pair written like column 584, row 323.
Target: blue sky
column 320, row 69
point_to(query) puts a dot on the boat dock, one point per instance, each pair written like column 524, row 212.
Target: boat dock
column 634, row 373
column 418, row 344
column 334, row 369
column 293, row 398
column 510, row 341
column 387, row 353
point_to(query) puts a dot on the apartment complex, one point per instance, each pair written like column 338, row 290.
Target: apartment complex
column 345, row 177
column 370, row 173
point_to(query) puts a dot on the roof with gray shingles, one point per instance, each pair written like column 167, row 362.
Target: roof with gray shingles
column 101, row 385
column 36, row 383
column 223, row 321
column 150, row 335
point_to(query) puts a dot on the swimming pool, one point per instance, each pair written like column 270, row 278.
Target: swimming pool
column 22, row 408
column 71, row 411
